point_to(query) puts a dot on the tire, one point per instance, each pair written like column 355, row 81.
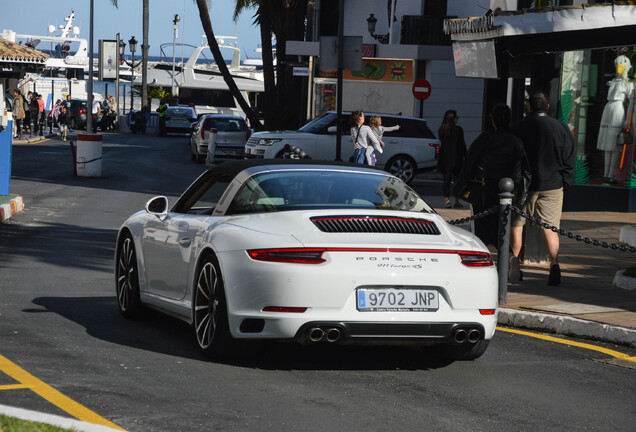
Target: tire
column 193, row 157
column 73, row 124
column 403, row 167
column 127, row 279
column 209, row 311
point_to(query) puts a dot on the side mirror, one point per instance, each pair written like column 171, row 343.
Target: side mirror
column 158, row 206
column 332, row 129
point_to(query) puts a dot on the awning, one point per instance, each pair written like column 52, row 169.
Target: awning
column 552, row 29
column 17, row 59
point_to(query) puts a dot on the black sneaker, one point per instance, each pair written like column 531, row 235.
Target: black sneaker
column 555, row 275
column 514, row 272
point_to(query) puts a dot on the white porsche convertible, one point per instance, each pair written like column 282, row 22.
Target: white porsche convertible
column 310, row 252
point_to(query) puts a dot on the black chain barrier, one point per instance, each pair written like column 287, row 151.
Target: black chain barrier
column 571, row 235
column 560, row 231
column 479, row 215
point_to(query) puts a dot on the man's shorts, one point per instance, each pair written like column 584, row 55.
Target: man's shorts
column 63, row 127
column 545, row 205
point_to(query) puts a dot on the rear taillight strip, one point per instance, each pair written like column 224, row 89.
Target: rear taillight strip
column 314, row 255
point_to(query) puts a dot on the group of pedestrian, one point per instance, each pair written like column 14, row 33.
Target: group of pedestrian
column 537, row 153
column 367, row 140
column 28, row 113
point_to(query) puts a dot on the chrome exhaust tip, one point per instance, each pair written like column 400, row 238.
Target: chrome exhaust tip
column 461, row 336
column 474, row 335
column 316, row 334
column 332, row 334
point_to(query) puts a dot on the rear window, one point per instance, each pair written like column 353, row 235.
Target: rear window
column 181, row 112
column 226, row 124
column 302, row 190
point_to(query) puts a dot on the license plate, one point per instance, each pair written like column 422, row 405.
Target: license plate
column 226, row 152
column 397, row 300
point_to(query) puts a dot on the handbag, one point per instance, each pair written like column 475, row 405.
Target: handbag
column 625, row 138
column 474, row 191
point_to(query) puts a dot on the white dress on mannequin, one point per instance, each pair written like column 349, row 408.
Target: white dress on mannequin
column 614, row 118
column 613, row 114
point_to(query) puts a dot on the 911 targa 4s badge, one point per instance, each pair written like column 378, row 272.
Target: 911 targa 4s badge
column 310, row 252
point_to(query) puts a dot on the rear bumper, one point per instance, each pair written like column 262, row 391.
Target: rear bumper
column 391, row 331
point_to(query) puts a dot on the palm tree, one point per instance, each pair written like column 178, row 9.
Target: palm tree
column 286, row 19
column 218, row 58
column 268, row 17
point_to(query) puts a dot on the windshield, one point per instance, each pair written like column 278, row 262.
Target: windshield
column 318, row 124
column 321, row 189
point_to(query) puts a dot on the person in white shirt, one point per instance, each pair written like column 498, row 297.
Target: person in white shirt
column 96, row 109
column 363, row 139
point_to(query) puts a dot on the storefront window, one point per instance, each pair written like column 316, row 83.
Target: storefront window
column 595, row 99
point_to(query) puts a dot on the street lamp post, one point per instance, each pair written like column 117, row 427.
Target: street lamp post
column 174, row 40
column 132, row 43
column 89, row 96
column 121, row 47
column 371, row 22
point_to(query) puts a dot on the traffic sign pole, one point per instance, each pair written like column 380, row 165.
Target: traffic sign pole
column 421, row 91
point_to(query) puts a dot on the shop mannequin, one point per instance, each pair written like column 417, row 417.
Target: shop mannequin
column 615, row 117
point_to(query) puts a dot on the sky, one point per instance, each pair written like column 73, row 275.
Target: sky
column 34, row 17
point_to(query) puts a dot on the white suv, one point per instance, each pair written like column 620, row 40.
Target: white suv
column 411, row 149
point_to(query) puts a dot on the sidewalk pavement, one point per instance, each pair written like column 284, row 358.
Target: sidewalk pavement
column 587, row 303
column 12, row 204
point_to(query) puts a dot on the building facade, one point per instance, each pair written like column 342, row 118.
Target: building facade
column 397, row 52
column 580, row 54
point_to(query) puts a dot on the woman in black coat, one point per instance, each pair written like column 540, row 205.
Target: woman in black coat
column 451, row 153
column 495, row 154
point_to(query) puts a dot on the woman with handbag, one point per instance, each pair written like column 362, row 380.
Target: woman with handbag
column 451, row 154
column 492, row 156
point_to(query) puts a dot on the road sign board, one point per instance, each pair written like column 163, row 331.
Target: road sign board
column 421, row 89
column 300, row 71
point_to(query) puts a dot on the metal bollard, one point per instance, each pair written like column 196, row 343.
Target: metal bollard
column 506, row 187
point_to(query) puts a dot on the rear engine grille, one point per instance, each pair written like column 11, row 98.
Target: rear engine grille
column 374, row 224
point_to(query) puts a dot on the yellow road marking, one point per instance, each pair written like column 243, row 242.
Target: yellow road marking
column 616, row 354
column 33, row 142
column 50, row 394
column 13, row 387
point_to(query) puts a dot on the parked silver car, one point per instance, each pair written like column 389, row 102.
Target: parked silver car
column 230, row 135
column 180, row 119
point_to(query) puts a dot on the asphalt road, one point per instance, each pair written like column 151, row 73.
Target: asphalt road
column 59, row 322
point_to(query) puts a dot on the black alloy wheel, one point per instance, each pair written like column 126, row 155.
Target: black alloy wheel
column 127, row 281
column 210, row 320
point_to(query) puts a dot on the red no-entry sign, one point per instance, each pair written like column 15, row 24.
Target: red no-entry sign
column 421, row 89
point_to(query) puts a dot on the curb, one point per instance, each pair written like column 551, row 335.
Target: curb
column 567, row 326
column 10, row 208
column 55, row 420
